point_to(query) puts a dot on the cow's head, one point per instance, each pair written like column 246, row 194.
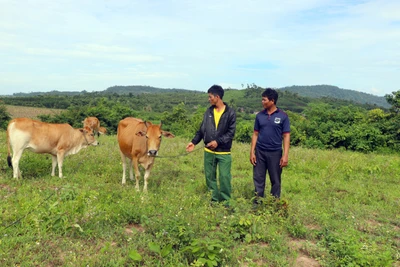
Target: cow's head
column 153, row 134
column 88, row 134
column 102, row 130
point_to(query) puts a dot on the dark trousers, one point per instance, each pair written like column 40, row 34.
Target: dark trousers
column 223, row 162
column 267, row 161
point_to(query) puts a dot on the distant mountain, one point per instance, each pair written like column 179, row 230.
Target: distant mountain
column 140, row 89
column 54, row 92
column 117, row 89
column 322, row 92
column 329, row 91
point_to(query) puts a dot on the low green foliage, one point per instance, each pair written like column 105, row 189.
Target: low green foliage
column 205, row 252
column 4, row 116
column 338, row 208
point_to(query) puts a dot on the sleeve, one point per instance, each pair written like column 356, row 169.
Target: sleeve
column 286, row 125
column 200, row 133
column 256, row 124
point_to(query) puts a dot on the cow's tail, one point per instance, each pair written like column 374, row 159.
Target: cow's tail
column 9, row 150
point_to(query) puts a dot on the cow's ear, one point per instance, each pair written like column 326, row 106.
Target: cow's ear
column 147, row 123
column 141, row 133
column 167, row 134
column 81, row 130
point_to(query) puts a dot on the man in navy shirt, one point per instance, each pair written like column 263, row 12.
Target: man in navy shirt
column 271, row 129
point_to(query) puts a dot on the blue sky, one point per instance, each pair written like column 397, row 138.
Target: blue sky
column 92, row 45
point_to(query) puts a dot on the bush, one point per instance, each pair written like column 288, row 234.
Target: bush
column 4, row 117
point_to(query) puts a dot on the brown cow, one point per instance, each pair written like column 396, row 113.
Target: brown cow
column 94, row 124
column 139, row 142
column 58, row 140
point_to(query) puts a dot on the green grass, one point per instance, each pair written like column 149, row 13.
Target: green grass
column 338, row 208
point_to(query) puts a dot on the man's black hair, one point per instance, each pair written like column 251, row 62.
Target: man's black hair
column 271, row 94
column 216, row 90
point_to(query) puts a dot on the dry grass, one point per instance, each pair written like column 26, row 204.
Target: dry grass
column 30, row 112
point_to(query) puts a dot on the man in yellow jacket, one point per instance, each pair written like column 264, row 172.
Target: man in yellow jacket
column 217, row 130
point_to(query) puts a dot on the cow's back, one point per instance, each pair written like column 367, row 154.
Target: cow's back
column 38, row 136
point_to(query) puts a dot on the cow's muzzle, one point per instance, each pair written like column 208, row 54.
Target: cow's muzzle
column 152, row 153
column 94, row 143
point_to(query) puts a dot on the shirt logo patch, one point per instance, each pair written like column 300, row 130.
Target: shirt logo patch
column 277, row 120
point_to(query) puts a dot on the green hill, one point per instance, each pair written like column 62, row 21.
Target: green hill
column 329, row 91
column 248, row 100
column 140, row 89
column 299, row 94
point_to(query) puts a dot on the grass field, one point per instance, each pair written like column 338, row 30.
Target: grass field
column 30, row 112
column 338, row 208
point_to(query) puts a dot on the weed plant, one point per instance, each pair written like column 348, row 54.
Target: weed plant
column 338, row 208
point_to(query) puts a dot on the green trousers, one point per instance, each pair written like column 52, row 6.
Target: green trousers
column 223, row 162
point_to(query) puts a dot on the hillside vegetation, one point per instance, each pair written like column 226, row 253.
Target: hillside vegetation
column 329, row 91
column 315, row 123
column 298, row 98
column 337, row 208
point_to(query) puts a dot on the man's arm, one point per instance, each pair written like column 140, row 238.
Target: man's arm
column 253, row 148
column 286, row 146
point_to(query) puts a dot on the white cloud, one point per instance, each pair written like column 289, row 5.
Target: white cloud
column 192, row 44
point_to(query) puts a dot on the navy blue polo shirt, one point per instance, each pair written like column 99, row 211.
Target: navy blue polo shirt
column 270, row 129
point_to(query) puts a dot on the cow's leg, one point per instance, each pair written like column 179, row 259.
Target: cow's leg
column 130, row 170
column 146, row 176
column 123, row 158
column 53, row 165
column 15, row 163
column 137, row 173
column 60, row 159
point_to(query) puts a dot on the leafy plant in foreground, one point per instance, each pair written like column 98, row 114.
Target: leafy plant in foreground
column 205, row 252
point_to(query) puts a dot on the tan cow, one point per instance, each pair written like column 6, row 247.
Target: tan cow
column 94, row 124
column 139, row 142
column 58, row 140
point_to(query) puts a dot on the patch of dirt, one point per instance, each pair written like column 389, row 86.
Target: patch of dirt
column 5, row 186
column 296, row 244
column 373, row 223
column 131, row 228
column 313, row 227
column 369, row 226
column 302, row 260
column 305, row 261
column 8, row 189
